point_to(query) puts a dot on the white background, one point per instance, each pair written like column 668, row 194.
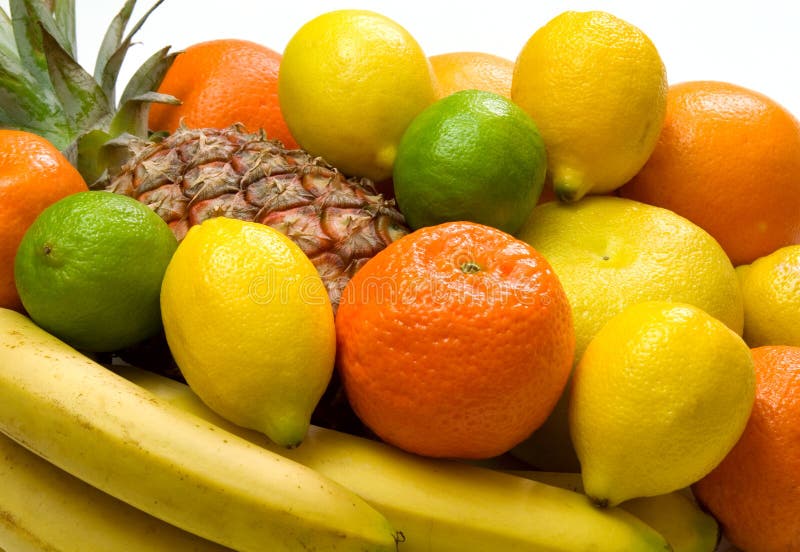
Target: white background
column 751, row 43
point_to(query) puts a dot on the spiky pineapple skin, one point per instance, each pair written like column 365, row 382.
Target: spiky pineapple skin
column 196, row 174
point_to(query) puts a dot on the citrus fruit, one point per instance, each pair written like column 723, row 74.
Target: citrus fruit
column 220, row 83
column 728, row 159
column 596, row 87
column 474, row 156
column 454, row 341
column 250, row 325
column 755, row 491
column 456, row 71
column 89, row 270
column 609, row 253
column 771, row 293
column 350, row 82
column 660, row 396
column 33, row 175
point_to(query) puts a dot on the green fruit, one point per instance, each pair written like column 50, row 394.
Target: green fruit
column 474, row 156
column 89, row 270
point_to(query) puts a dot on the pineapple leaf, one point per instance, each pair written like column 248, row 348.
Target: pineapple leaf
column 148, row 77
column 8, row 48
column 23, row 109
column 81, row 98
column 28, row 39
column 114, row 47
column 86, row 150
column 64, row 13
column 103, row 73
column 131, row 118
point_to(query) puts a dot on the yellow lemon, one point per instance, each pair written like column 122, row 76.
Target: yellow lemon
column 609, row 253
column 659, row 398
column 349, row 84
column 597, row 88
column 771, row 292
column 250, row 325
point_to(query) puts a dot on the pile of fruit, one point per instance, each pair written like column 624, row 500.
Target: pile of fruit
column 353, row 297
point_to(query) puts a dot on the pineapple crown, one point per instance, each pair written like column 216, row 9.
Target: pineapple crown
column 44, row 90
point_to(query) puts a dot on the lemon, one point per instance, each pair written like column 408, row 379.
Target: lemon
column 89, row 270
column 610, row 253
column 473, row 155
column 350, row 82
column 597, row 88
column 250, row 325
column 771, row 292
column 659, row 398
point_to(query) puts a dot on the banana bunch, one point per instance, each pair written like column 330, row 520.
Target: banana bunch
column 121, row 439
column 138, row 442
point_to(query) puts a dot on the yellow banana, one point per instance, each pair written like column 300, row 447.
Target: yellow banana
column 444, row 506
column 45, row 508
column 138, row 448
column 675, row 515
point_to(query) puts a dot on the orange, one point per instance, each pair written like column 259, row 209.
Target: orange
column 454, row 341
column 728, row 159
column 755, row 491
column 222, row 82
column 456, row 71
column 33, row 175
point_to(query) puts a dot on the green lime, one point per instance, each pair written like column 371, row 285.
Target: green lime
column 473, row 155
column 89, row 270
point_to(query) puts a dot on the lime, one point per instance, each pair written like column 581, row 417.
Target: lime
column 250, row 325
column 89, row 270
column 472, row 156
column 661, row 395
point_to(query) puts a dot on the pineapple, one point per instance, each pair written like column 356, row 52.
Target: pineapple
column 196, row 174
column 193, row 174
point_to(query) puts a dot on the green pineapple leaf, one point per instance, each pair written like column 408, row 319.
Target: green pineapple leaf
column 43, row 88
column 114, row 47
column 84, row 104
column 8, row 47
column 64, row 14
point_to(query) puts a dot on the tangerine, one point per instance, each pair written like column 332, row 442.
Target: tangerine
column 455, row 71
column 455, row 341
column 755, row 491
column 222, row 82
column 728, row 159
column 33, row 175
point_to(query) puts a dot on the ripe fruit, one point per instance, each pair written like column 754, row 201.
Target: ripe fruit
column 596, row 87
column 660, row 396
column 473, row 156
column 250, row 326
column 456, row 71
column 610, row 253
column 33, row 175
column 728, row 159
column 89, row 270
column 221, row 83
column 454, row 341
column 755, row 491
column 771, row 293
column 193, row 175
column 350, row 83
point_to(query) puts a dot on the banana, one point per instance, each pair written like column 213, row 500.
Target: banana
column 45, row 508
column 675, row 515
column 138, row 448
column 439, row 505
